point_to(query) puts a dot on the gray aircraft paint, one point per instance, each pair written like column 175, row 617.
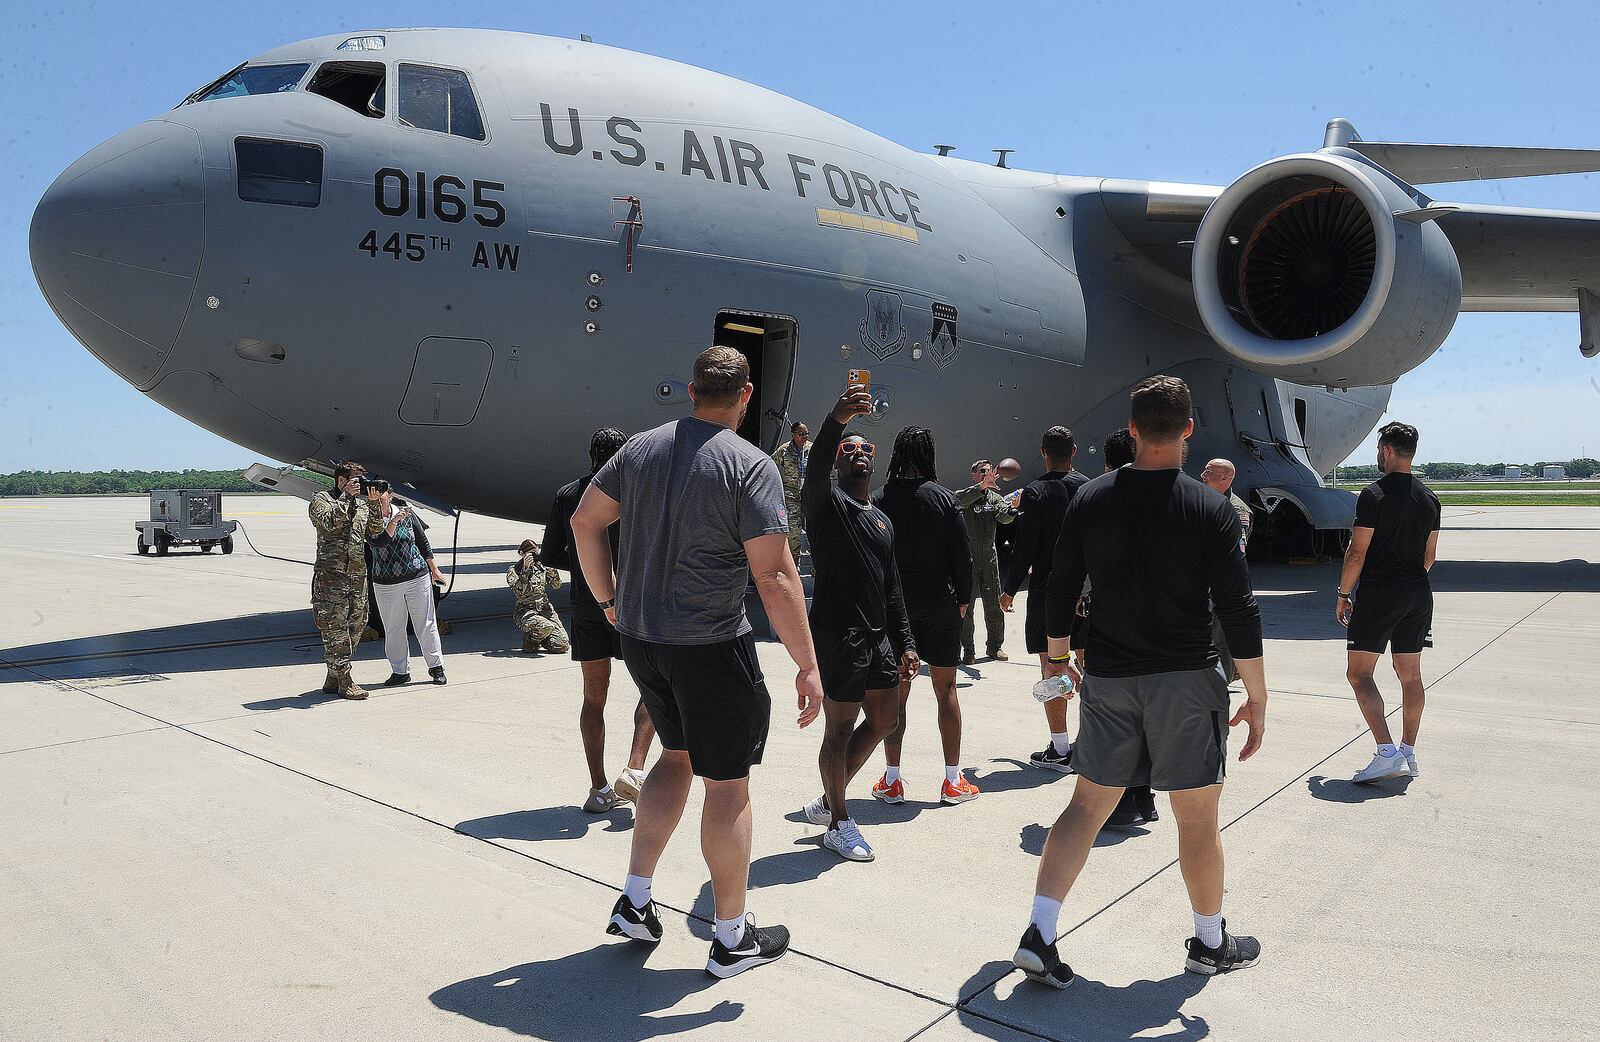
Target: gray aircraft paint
column 473, row 358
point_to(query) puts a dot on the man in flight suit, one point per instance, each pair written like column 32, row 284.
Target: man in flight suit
column 345, row 518
column 984, row 509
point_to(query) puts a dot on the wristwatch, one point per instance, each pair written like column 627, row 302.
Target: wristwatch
column 603, row 605
column 1343, row 596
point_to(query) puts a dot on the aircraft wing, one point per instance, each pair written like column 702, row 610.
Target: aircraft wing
column 1515, row 259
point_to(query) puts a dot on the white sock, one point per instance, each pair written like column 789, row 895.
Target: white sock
column 1046, row 913
column 1060, row 742
column 605, row 791
column 1209, row 929
column 730, row 932
column 637, row 890
column 952, row 774
column 1386, row 750
column 1407, row 750
column 891, row 774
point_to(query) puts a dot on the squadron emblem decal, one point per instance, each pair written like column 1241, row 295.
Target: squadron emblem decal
column 942, row 338
column 882, row 332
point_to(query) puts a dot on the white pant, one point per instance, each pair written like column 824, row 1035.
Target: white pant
column 395, row 601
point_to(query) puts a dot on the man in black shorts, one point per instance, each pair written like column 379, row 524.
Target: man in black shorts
column 1040, row 507
column 701, row 512
column 1161, row 549
column 935, row 560
column 1392, row 548
column 595, row 642
column 858, row 617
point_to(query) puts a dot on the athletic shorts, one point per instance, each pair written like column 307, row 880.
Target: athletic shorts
column 1397, row 618
column 1034, row 629
column 936, row 629
column 1165, row 730
column 707, row 699
column 854, row 662
column 593, row 636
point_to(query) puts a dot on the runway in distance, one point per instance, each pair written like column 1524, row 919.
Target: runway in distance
column 454, row 253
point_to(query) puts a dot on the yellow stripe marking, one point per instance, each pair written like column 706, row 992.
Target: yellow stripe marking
column 863, row 223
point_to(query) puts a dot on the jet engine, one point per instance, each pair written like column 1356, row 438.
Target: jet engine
column 1321, row 268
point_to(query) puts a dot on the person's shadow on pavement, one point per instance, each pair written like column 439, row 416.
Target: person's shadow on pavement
column 1093, row 1009
column 604, row 993
column 545, row 823
column 1343, row 790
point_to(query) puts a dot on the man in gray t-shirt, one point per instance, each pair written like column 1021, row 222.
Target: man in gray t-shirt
column 700, row 511
column 692, row 494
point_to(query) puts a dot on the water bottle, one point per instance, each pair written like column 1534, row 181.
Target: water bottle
column 1053, row 687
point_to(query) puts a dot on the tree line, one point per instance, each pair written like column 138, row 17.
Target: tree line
column 110, row 482
column 1583, row 467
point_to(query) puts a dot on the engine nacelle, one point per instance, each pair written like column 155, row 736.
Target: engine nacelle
column 1302, row 270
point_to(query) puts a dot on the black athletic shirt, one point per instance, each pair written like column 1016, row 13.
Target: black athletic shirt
column 1160, row 549
column 559, row 551
column 931, row 547
column 1402, row 512
column 852, row 554
column 1040, row 508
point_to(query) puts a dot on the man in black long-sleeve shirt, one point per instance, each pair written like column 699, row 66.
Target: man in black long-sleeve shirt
column 1041, row 506
column 1160, row 549
column 594, row 641
column 935, row 561
column 858, row 617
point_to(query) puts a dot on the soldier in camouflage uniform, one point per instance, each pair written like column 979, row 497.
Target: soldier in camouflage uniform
column 984, row 509
column 531, row 583
column 791, row 458
column 345, row 519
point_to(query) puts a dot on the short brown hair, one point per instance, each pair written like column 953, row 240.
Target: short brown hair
column 348, row 468
column 1401, row 437
column 526, row 545
column 1161, row 407
column 1059, row 444
column 720, row 373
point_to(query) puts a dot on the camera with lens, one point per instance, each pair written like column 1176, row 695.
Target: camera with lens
column 366, row 484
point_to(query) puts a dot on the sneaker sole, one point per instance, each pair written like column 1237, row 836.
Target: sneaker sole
column 1205, row 969
column 850, row 857
column 620, row 927
column 1032, row 967
column 951, row 801
column 1059, row 768
column 1403, row 772
column 716, row 969
column 883, row 797
column 629, row 794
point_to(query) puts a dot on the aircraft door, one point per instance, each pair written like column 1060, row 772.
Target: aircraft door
column 447, row 382
column 769, row 342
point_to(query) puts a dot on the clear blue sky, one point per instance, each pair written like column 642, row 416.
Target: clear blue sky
column 1179, row 92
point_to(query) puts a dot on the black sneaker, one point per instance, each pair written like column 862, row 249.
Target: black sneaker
column 1051, row 760
column 636, row 924
column 396, row 679
column 1039, row 960
column 437, row 673
column 1235, row 953
column 761, row 945
column 1145, row 801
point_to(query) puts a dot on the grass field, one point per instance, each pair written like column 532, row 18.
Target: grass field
column 1494, row 486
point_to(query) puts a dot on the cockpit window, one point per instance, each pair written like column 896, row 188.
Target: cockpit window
column 252, row 79
column 439, row 99
column 358, row 86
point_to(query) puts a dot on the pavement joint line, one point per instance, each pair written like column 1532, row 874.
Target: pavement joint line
column 686, row 912
column 924, row 1029
column 80, row 741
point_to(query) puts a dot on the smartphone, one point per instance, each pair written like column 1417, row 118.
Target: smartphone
column 860, row 378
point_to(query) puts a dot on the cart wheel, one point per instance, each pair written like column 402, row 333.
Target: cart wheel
column 227, row 544
column 163, row 543
column 144, row 547
column 205, row 548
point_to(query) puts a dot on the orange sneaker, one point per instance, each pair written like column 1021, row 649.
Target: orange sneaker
column 959, row 792
column 882, row 790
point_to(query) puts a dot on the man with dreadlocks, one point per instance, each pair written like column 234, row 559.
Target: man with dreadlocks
column 935, row 560
column 864, row 644
column 595, row 642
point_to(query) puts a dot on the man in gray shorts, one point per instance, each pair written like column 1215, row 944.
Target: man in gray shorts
column 701, row 510
column 1160, row 549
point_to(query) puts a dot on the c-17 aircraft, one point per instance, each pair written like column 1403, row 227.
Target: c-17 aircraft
column 454, row 253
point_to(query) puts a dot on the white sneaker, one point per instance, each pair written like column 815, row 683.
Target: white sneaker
column 817, row 812
column 1382, row 767
column 1411, row 762
column 628, row 783
column 846, row 841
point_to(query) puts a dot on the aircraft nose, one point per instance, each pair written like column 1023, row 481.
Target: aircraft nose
column 116, row 245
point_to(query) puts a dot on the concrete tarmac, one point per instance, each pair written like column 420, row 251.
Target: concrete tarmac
column 201, row 845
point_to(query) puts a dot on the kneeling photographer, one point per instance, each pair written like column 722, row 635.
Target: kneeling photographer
column 403, row 574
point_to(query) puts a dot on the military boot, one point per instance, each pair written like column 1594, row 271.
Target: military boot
column 529, row 645
column 348, row 688
column 330, row 686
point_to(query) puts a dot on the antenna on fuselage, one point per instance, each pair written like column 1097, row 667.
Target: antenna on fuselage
column 1002, row 153
column 944, row 150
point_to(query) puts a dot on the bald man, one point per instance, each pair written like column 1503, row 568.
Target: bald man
column 1218, row 476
